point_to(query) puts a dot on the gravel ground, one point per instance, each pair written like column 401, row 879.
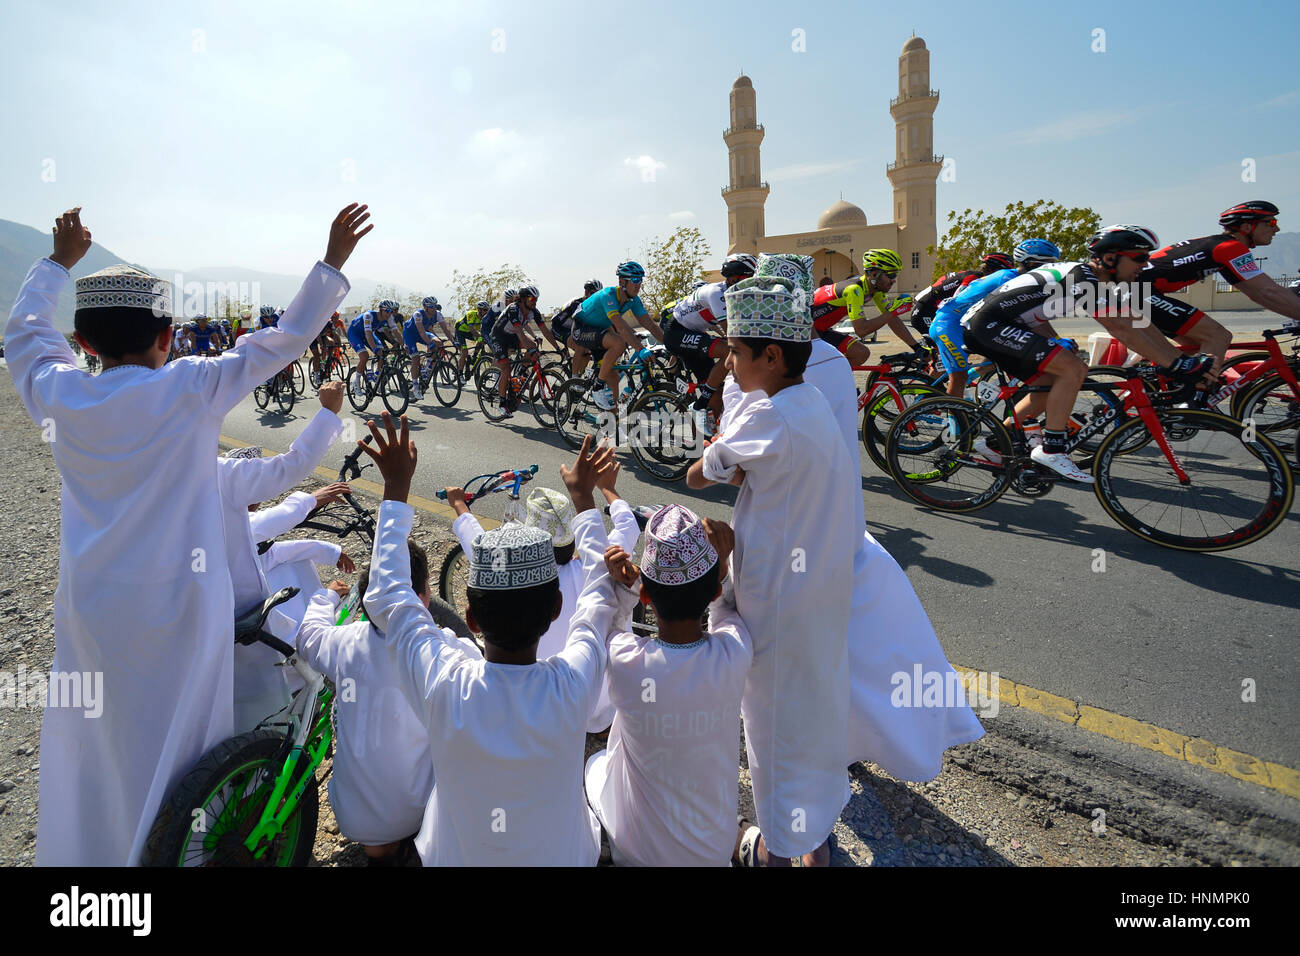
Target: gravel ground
column 963, row 818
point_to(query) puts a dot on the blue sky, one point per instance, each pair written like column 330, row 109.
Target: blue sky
column 210, row 134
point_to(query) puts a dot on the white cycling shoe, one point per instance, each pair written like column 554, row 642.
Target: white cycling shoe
column 982, row 448
column 703, row 422
column 604, row 399
column 1062, row 465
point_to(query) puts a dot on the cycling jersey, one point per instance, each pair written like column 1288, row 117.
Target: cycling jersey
column 599, row 308
column 833, row 303
column 703, row 309
column 367, row 322
column 203, row 337
column 1184, row 263
column 428, row 322
column 512, row 320
column 946, row 330
column 926, row 302
column 470, row 322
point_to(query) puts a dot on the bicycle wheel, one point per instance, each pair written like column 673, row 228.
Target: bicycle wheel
column 1237, row 491
column 881, row 412
column 340, row 368
column 299, row 379
column 660, row 427
column 314, row 376
column 262, row 395
column 453, row 580
column 542, row 390
column 206, row 819
column 1274, row 408
column 577, row 415
column 359, row 393
column 1109, row 404
column 285, row 394
column 489, row 398
column 395, row 390
column 447, row 383
column 930, row 453
column 1233, row 407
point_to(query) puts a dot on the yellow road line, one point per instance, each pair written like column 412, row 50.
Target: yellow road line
column 1193, row 750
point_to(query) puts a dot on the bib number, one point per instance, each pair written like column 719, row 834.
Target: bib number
column 987, row 391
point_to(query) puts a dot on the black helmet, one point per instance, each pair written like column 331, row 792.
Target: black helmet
column 592, row 285
column 1123, row 239
column 1251, row 211
column 739, row 264
column 529, row 290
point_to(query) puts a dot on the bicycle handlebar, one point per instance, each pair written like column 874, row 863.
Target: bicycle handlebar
column 518, row 476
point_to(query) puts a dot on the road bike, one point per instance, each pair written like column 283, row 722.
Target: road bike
column 280, row 389
column 530, row 380
column 1179, row 477
column 335, row 366
column 389, row 381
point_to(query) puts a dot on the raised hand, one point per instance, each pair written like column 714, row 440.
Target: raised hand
column 395, row 457
column 620, row 566
column 331, row 396
column 345, row 564
column 723, row 539
column 343, row 234
column 581, row 478
column 71, row 239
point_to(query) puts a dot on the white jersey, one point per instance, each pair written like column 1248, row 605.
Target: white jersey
column 703, row 309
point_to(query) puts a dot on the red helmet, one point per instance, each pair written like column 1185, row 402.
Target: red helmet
column 1253, row 211
column 997, row 260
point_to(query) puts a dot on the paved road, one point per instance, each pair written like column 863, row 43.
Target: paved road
column 1160, row 635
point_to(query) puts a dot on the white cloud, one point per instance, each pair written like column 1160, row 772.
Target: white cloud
column 1282, row 99
column 1076, row 126
column 646, row 166
column 808, row 170
column 681, row 214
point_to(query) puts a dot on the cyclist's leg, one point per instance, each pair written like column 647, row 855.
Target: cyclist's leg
column 358, row 342
column 847, row 345
column 1204, row 334
column 947, row 335
column 614, row 346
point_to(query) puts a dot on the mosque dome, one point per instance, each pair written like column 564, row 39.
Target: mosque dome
column 742, row 81
column 841, row 215
column 915, row 43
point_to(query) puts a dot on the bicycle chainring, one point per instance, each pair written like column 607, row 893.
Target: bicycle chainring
column 1030, row 481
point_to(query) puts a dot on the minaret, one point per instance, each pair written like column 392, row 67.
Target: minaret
column 915, row 168
column 747, row 192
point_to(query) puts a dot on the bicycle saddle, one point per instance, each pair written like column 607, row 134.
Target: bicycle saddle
column 248, row 626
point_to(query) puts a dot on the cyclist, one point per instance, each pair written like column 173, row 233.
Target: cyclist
column 267, row 318
column 469, row 328
column 946, row 328
column 687, row 335
column 600, row 325
column 562, row 322
column 927, row 301
column 321, row 346
column 833, row 303
column 203, row 336
column 1011, row 326
column 494, row 312
column 419, row 328
column 367, row 331
column 1177, row 266
column 227, row 334
column 510, row 332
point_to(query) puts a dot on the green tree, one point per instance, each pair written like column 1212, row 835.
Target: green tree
column 481, row 285
column 973, row 234
column 381, row 293
column 672, row 266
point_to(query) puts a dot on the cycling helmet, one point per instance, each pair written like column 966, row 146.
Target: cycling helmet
column 529, row 290
column 739, row 264
column 189, row 326
column 1037, row 250
column 201, row 316
column 885, row 260
column 630, row 270
column 510, row 294
column 1251, row 211
column 592, row 285
column 997, row 260
column 388, row 305
column 267, row 311
column 430, row 302
column 1122, row 239
column 482, row 305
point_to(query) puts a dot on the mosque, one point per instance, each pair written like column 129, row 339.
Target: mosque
column 842, row 232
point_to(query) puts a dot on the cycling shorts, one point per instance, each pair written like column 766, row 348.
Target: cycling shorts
column 948, row 338
column 357, row 339
column 502, row 344
column 463, row 338
column 839, row 340
column 561, row 328
column 587, row 336
column 413, row 342
column 1171, row 316
column 1016, row 350
column 699, row 350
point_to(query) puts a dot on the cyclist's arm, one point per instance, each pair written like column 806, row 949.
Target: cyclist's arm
column 891, row 315
column 1270, row 295
column 370, row 334
column 425, row 335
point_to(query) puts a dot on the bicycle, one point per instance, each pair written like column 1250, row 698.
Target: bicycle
column 334, row 366
column 576, row 412
column 299, row 379
column 931, row 457
column 280, row 389
column 529, row 379
column 438, row 368
column 389, row 382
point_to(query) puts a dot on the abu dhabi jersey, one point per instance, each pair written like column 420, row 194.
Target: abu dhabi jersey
column 702, row 309
column 1038, row 298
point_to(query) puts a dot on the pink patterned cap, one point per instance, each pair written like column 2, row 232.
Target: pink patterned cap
column 677, row 550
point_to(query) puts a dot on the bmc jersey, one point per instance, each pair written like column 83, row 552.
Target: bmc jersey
column 833, row 303
column 1178, row 266
column 928, row 300
column 511, row 320
column 1036, row 299
column 702, row 309
column 600, row 307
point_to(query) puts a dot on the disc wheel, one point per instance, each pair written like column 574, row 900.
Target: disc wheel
column 930, row 450
column 211, row 812
column 880, row 413
column 1237, row 490
column 660, row 428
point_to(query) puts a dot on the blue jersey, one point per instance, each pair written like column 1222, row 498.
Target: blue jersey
column 203, row 337
column 370, row 322
column 953, row 309
column 599, row 307
column 428, row 321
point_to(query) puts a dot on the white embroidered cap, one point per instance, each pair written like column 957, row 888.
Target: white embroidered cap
column 784, row 265
column 251, row 451
column 124, row 285
column 677, row 549
column 765, row 307
column 510, row 557
column 553, row 513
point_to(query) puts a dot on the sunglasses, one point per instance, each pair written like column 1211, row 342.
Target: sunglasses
column 1137, row 256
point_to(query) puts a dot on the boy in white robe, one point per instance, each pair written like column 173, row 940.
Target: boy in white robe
column 143, row 598
column 792, row 569
column 507, row 733
column 665, row 789
column 383, row 771
column 553, row 513
column 889, row 631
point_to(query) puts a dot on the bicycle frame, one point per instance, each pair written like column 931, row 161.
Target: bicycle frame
column 1276, row 362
